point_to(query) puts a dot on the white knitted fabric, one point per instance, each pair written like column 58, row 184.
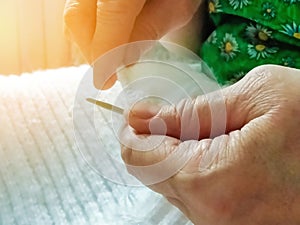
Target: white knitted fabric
column 43, row 178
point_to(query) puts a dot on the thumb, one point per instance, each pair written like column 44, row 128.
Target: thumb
column 205, row 116
column 190, row 119
column 164, row 156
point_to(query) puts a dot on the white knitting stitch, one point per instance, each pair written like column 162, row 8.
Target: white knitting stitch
column 43, row 178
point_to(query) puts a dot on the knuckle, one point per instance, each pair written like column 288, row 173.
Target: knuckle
column 168, row 111
column 264, row 73
column 258, row 72
column 185, row 106
column 171, row 115
column 254, row 83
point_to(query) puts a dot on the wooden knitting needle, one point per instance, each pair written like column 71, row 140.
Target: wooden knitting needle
column 106, row 105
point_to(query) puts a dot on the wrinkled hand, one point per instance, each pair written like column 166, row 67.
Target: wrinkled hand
column 250, row 174
column 98, row 26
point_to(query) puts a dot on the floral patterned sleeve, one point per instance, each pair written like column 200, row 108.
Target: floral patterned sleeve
column 250, row 33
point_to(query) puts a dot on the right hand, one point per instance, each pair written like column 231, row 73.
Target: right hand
column 249, row 175
column 98, row 26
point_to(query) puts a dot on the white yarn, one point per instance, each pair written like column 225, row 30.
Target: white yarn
column 43, row 178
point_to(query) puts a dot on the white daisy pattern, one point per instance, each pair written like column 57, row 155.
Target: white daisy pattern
column 268, row 11
column 212, row 38
column 258, row 33
column 236, row 77
column 239, row 75
column 288, row 61
column 239, row 4
column 260, row 51
column 229, row 47
column 291, row 1
column 292, row 30
column 214, row 6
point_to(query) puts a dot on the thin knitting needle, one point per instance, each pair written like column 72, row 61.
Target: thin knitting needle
column 106, row 105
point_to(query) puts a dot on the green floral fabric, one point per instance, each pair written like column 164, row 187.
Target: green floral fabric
column 250, row 33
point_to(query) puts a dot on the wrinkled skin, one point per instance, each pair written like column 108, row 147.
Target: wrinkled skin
column 255, row 176
column 98, row 26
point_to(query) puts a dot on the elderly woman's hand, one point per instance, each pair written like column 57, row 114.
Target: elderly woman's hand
column 250, row 174
column 98, row 26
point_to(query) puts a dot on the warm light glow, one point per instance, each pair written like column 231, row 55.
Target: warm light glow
column 32, row 36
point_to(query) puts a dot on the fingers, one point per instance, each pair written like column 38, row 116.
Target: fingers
column 115, row 21
column 240, row 160
column 190, row 119
column 164, row 166
column 98, row 26
column 120, row 22
column 249, row 116
column 209, row 115
column 171, row 166
column 144, row 150
column 158, row 18
column 114, row 24
column 154, row 159
column 80, row 22
column 179, row 179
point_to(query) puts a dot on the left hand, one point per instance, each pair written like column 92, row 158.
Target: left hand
column 98, row 26
column 250, row 174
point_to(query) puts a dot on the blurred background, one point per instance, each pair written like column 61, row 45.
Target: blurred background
column 32, row 37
